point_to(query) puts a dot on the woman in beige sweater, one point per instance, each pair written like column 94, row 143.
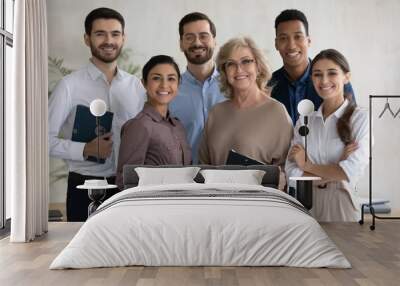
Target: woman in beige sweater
column 250, row 121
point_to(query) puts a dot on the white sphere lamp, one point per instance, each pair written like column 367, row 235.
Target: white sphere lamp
column 305, row 107
column 304, row 191
column 98, row 107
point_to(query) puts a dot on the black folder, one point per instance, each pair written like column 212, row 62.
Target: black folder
column 85, row 127
column 235, row 158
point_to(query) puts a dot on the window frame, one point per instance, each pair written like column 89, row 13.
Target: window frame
column 6, row 39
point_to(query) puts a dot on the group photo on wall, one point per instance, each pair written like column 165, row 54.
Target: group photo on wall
column 217, row 109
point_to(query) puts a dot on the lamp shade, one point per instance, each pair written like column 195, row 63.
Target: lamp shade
column 305, row 107
column 98, row 107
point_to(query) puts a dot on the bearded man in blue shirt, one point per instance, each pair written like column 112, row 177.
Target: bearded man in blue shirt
column 292, row 82
column 199, row 88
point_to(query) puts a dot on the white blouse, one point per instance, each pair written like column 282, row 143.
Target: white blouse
column 325, row 147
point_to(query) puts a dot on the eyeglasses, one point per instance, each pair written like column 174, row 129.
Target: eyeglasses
column 204, row 37
column 243, row 64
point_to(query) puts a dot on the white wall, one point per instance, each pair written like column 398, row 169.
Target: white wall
column 365, row 31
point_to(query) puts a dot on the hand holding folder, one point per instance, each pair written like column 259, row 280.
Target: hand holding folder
column 101, row 149
column 85, row 130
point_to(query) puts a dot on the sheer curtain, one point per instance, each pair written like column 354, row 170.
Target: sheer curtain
column 26, row 124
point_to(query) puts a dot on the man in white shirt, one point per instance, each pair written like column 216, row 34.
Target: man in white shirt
column 100, row 78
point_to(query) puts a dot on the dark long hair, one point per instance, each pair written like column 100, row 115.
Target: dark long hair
column 343, row 124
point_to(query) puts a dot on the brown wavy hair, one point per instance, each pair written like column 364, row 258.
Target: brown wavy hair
column 343, row 125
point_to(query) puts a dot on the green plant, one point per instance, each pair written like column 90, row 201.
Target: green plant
column 57, row 64
column 125, row 63
column 56, row 72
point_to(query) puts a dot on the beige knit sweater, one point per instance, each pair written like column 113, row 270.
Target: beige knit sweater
column 262, row 132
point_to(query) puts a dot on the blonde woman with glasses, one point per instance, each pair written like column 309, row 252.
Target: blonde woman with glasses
column 250, row 121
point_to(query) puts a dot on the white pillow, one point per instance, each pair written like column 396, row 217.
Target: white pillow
column 164, row 176
column 249, row 177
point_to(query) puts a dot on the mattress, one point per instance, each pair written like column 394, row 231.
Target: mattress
column 201, row 225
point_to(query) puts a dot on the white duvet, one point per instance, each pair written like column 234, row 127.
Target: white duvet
column 183, row 231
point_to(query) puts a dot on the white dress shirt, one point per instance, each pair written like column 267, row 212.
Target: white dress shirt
column 124, row 97
column 325, row 147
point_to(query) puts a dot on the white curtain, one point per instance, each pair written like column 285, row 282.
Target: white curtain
column 26, row 124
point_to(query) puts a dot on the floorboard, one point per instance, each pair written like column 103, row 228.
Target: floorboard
column 374, row 255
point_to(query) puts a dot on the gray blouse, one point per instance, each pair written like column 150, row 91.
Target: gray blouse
column 150, row 139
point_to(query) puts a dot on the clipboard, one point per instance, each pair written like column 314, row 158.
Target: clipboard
column 235, row 158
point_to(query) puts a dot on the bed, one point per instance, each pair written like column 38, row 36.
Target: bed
column 202, row 223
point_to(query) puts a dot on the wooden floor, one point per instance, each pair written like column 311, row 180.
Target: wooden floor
column 374, row 255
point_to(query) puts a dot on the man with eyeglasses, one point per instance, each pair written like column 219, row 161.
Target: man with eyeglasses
column 199, row 88
column 292, row 82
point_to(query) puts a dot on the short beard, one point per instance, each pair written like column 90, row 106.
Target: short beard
column 97, row 54
column 199, row 60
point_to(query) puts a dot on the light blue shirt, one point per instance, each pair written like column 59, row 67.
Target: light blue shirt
column 192, row 104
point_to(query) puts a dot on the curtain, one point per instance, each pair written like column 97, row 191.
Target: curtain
column 27, row 166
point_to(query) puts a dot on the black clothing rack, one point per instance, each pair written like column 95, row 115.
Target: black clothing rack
column 370, row 205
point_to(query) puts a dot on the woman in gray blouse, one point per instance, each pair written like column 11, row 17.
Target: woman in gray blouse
column 153, row 137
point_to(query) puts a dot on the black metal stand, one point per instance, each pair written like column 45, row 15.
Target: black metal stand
column 304, row 193
column 97, row 196
column 371, row 207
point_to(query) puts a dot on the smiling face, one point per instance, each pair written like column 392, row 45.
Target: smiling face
column 105, row 40
column 292, row 43
column 241, row 69
column 197, row 42
column 162, row 84
column 329, row 79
